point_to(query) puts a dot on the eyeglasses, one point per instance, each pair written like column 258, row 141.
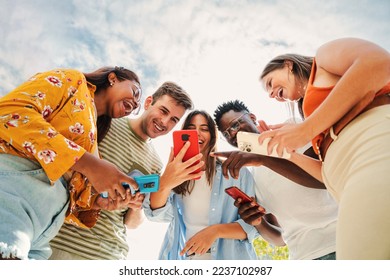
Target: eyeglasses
column 234, row 127
column 137, row 94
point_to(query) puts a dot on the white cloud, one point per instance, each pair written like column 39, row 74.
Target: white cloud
column 214, row 49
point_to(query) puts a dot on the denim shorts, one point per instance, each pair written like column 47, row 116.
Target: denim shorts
column 31, row 210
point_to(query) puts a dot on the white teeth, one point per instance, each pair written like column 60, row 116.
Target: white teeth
column 158, row 127
column 280, row 93
column 128, row 106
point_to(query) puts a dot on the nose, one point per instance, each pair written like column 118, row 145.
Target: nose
column 165, row 120
column 232, row 134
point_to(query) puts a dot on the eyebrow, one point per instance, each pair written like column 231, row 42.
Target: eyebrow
column 202, row 125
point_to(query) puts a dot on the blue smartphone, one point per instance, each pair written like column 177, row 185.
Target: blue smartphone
column 146, row 183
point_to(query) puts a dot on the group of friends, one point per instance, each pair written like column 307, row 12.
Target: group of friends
column 65, row 139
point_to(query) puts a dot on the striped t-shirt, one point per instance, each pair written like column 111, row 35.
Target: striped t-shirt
column 107, row 239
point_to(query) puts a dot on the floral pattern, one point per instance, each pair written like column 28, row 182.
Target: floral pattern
column 46, row 119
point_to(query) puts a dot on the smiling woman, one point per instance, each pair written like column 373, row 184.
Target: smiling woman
column 203, row 222
column 118, row 93
column 48, row 154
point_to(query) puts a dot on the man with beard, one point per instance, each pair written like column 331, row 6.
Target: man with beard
column 128, row 145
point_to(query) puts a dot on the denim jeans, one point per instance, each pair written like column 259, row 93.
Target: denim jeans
column 31, row 210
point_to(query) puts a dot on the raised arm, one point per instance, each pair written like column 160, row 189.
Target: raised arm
column 175, row 173
column 235, row 160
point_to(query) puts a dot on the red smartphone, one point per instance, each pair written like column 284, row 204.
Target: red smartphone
column 180, row 137
column 235, row 193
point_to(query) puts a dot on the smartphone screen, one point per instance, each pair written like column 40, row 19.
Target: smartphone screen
column 180, row 137
column 235, row 193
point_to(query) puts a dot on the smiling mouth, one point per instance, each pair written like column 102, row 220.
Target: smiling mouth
column 158, row 127
column 128, row 107
column 280, row 93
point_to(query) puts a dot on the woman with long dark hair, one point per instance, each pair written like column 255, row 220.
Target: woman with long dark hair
column 49, row 158
column 204, row 223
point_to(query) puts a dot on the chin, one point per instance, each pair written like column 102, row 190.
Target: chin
column 153, row 133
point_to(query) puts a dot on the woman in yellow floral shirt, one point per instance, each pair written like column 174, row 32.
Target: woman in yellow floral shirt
column 48, row 154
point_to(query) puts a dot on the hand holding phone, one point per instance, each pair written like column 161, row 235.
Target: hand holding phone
column 146, row 183
column 180, row 137
column 249, row 142
column 236, row 193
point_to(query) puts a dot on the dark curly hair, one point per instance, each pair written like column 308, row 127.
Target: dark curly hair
column 99, row 78
column 236, row 106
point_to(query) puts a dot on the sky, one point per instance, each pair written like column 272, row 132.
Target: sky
column 214, row 49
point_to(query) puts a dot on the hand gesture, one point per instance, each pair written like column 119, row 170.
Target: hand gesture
column 201, row 242
column 262, row 126
column 130, row 201
column 104, row 176
column 251, row 212
column 237, row 159
column 289, row 137
column 177, row 171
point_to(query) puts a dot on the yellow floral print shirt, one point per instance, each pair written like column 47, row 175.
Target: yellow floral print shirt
column 51, row 118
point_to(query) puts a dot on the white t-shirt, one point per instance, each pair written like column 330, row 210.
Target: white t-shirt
column 196, row 207
column 307, row 216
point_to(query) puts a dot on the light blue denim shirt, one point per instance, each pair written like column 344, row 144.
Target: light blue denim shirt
column 222, row 211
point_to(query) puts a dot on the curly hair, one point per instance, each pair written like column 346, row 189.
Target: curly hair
column 99, row 78
column 236, row 106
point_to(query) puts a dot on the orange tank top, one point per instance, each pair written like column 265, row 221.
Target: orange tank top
column 314, row 96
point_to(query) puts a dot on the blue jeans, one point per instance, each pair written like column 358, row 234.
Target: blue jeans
column 31, row 210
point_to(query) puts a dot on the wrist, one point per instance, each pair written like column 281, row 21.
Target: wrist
column 165, row 184
column 309, row 129
column 216, row 230
column 84, row 163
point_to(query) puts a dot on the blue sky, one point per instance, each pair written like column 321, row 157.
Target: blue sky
column 213, row 49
